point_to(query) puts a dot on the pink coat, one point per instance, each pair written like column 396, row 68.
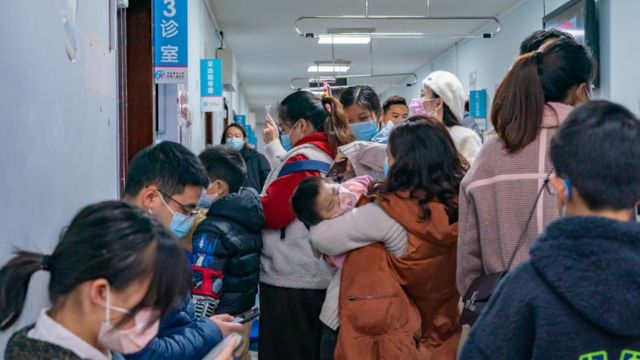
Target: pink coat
column 496, row 197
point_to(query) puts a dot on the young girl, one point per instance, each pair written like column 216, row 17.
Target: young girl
column 109, row 286
column 317, row 199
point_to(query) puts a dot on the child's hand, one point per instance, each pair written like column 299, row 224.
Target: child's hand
column 226, row 324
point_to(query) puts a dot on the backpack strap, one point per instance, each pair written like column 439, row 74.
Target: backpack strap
column 304, row 165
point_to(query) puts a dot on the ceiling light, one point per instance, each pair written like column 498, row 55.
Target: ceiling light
column 344, row 39
column 328, row 68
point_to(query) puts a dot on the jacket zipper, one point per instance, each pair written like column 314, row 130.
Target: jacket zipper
column 369, row 297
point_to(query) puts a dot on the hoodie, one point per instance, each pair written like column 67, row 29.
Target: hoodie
column 576, row 298
column 228, row 242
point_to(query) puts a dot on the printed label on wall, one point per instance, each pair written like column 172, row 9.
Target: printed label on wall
column 211, row 85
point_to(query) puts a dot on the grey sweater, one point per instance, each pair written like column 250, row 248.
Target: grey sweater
column 358, row 228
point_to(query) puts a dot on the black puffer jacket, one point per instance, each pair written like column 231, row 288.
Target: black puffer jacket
column 229, row 242
column 258, row 168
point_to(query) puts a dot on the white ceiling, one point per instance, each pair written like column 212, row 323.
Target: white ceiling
column 269, row 52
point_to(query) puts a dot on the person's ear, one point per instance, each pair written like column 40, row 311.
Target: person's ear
column 560, row 189
column 98, row 292
column 148, row 197
column 583, row 93
column 305, row 127
column 219, row 187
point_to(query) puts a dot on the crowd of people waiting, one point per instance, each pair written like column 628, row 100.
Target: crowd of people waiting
column 370, row 231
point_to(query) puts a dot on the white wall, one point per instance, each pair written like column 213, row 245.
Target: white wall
column 491, row 58
column 58, row 137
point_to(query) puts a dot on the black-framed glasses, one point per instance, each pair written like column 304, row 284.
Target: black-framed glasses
column 183, row 209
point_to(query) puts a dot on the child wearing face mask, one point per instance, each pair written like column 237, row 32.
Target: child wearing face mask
column 317, row 199
column 228, row 242
column 108, row 287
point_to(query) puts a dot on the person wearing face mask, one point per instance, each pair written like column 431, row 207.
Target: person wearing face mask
column 364, row 113
column 443, row 98
column 227, row 243
column 258, row 167
column 293, row 281
column 576, row 296
column 531, row 103
column 108, row 287
column 167, row 180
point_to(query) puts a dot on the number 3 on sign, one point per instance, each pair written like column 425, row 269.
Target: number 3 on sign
column 171, row 8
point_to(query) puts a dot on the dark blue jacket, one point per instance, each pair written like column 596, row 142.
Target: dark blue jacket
column 181, row 336
column 577, row 298
column 229, row 241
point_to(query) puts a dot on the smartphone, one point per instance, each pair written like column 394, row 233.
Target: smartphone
column 247, row 316
column 638, row 213
column 267, row 110
column 217, row 351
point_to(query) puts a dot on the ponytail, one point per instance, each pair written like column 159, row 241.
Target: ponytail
column 536, row 78
column 336, row 126
column 14, row 282
column 518, row 105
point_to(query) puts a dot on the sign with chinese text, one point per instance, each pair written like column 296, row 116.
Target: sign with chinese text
column 211, row 85
column 241, row 120
column 478, row 104
column 170, row 41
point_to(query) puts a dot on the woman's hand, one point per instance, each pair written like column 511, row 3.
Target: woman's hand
column 270, row 132
column 226, row 324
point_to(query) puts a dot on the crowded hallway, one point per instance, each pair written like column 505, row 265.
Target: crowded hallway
column 417, row 179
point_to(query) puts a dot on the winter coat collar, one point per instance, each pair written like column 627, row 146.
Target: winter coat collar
column 593, row 263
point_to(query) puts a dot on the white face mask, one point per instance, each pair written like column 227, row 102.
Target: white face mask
column 131, row 340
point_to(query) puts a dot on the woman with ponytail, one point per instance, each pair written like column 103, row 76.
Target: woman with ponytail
column 293, row 281
column 108, row 289
column 499, row 192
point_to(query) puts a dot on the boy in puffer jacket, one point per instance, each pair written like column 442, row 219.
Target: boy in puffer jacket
column 227, row 243
column 577, row 296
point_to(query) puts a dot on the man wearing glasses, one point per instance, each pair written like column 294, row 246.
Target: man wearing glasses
column 167, row 180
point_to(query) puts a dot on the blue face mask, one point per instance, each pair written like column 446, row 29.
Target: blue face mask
column 180, row 223
column 364, row 131
column 285, row 139
column 236, row 143
column 386, row 167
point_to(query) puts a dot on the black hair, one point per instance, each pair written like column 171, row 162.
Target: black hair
column 303, row 201
column 110, row 240
column 362, row 95
column 168, row 165
column 536, row 39
column 427, row 165
column 393, row 100
column 535, row 79
column 226, row 164
column 448, row 117
column 325, row 114
column 598, row 149
column 223, row 141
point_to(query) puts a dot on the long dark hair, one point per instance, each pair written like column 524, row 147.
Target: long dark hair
column 325, row 114
column 536, row 78
column 223, row 141
column 110, row 240
column 427, row 165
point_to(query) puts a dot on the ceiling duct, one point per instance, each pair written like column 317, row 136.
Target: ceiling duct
column 371, row 33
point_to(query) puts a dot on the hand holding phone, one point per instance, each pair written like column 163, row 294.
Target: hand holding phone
column 225, row 349
column 247, row 316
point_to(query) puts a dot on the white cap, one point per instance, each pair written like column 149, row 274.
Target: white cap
column 449, row 89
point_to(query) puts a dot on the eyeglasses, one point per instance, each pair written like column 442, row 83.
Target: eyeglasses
column 183, row 209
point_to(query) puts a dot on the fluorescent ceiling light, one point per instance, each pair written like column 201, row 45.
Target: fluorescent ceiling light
column 344, row 39
column 328, row 68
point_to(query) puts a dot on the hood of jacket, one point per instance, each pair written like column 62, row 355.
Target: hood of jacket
column 243, row 207
column 406, row 211
column 592, row 263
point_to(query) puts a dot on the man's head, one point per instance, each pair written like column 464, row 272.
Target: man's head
column 596, row 157
column 226, row 171
column 166, row 180
column 395, row 109
column 539, row 38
